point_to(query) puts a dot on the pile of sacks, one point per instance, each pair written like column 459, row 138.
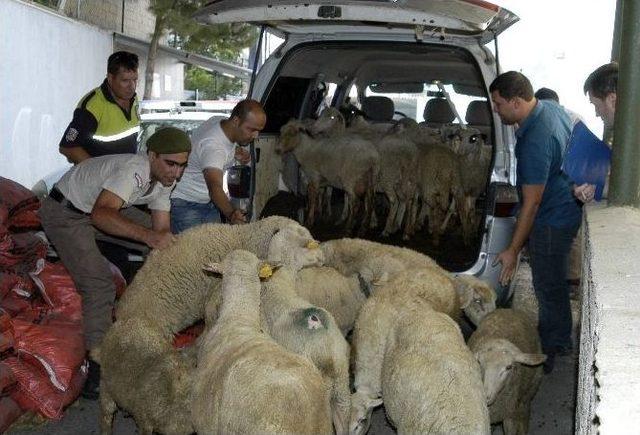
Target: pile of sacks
column 42, row 353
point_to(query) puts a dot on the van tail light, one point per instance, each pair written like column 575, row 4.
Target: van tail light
column 505, row 200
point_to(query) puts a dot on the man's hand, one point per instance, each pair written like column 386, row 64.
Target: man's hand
column 508, row 258
column 584, row 192
column 159, row 239
column 242, row 155
column 237, row 216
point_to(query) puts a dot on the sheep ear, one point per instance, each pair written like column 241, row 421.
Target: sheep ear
column 530, row 359
column 213, row 268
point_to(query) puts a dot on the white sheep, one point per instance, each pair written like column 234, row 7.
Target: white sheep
column 414, row 359
column 327, row 288
column 141, row 372
column 245, row 382
column 507, row 346
column 379, row 264
column 310, row 331
column 351, row 166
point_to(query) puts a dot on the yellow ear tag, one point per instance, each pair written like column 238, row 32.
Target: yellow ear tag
column 265, row 271
column 312, row 244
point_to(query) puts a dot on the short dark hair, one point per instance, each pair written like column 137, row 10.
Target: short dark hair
column 603, row 81
column 512, row 84
column 122, row 59
column 547, row 94
column 244, row 107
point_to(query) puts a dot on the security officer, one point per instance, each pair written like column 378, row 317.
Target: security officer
column 106, row 119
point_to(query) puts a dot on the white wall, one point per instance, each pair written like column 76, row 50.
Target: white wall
column 557, row 44
column 47, row 63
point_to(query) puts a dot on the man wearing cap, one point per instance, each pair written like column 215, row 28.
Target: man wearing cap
column 89, row 199
column 199, row 197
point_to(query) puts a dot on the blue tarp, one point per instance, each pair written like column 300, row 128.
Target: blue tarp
column 587, row 159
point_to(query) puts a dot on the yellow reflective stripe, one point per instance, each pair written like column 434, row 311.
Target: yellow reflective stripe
column 115, row 137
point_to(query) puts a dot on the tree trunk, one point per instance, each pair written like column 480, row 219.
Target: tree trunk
column 151, row 57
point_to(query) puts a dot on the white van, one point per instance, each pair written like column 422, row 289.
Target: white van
column 425, row 60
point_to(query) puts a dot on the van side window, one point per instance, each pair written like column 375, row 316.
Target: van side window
column 284, row 102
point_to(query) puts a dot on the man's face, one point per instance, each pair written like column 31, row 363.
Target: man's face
column 506, row 109
column 123, row 83
column 167, row 168
column 605, row 108
column 247, row 130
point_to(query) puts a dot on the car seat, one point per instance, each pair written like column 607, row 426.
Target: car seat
column 479, row 116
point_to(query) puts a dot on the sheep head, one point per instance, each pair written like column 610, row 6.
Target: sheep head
column 290, row 136
column 244, row 263
column 477, row 298
column 294, row 246
column 362, row 405
column 330, row 122
column 498, row 359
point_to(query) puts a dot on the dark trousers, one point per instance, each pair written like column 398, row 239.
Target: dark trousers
column 549, row 249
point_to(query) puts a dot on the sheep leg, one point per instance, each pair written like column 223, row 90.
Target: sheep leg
column 312, row 195
column 402, row 209
column 328, row 192
column 410, row 225
column 424, row 212
column 353, row 209
column 450, row 212
column 393, row 209
column 107, row 410
column 345, row 210
column 368, row 204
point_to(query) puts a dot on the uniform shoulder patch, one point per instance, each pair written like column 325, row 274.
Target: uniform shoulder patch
column 72, row 134
column 139, row 180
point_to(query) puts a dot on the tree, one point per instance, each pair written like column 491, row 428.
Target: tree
column 223, row 42
column 210, row 86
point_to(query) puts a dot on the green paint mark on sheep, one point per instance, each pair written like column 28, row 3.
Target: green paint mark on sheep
column 311, row 318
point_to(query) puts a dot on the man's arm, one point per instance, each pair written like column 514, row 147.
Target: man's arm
column 214, row 180
column 106, row 216
column 531, row 198
column 160, row 220
column 74, row 154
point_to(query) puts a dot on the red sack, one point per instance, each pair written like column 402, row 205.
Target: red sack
column 9, row 412
column 20, row 252
column 6, row 377
column 18, row 206
column 118, row 280
column 15, row 305
column 34, row 392
column 12, row 282
column 56, row 347
column 188, row 336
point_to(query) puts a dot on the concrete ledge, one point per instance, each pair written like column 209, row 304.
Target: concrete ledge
column 609, row 374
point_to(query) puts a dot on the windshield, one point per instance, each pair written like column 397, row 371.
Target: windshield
column 148, row 127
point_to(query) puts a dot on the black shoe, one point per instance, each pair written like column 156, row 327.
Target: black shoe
column 547, row 366
column 91, row 388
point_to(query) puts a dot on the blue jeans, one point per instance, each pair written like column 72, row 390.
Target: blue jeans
column 187, row 214
column 549, row 249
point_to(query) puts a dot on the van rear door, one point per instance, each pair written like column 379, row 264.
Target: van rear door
column 426, row 19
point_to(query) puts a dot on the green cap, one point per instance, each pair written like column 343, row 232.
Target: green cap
column 169, row 140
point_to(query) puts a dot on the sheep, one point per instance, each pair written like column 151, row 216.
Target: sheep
column 474, row 158
column 245, row 382
column 351, row 166
column 507, row 346
column 378, row 264
column 141, row 371
column 327, row 288
column 399, row 340
column 440, row 186
column 305, row 329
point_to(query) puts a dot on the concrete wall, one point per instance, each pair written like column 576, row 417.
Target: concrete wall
column 48, row 63
column 609, row 373
column 107, row 14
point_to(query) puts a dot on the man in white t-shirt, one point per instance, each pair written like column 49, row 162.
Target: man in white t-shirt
column 199, row 197
column 89, row 198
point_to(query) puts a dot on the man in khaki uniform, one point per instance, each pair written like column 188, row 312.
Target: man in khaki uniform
column 91, row 197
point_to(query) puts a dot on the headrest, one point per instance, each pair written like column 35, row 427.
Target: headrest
column 438, row 111
column 378, row 109
column 478, row 113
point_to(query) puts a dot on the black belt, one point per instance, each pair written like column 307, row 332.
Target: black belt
column 57, row 196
